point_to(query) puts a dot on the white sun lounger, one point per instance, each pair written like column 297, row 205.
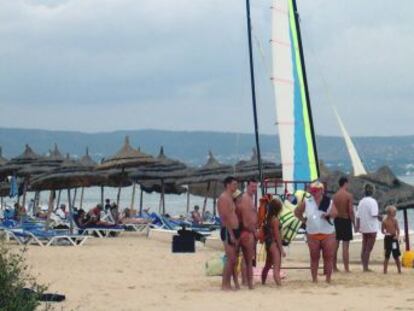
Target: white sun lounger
column 26, row 237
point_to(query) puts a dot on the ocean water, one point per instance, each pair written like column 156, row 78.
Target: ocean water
column 174, row 204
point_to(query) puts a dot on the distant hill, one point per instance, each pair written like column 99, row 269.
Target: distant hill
column 192, row 147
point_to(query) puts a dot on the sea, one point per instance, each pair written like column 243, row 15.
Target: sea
column 174, row 204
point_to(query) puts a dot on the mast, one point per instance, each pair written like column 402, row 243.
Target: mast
column 305, row 82
column 252, row 82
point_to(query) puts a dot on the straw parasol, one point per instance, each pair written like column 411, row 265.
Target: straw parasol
column 206, row 181
column 126, row 157
column 87, row 161
column 164, row 172
column 11, row 167
column 245, row 170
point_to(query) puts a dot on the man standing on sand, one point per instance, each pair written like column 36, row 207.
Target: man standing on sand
column 343, row 201
column 248, row 218
column 367, row 223
column 230, row 232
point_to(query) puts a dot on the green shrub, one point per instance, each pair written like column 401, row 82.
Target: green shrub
column 14, row 277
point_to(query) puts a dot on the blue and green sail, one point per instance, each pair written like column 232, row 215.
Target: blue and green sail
column 294, row 116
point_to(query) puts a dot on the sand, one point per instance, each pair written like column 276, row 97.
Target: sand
column 132, row 272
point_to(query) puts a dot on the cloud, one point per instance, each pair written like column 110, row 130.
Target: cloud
column 184, row 65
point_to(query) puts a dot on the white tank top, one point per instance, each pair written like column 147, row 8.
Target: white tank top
column 315, row 224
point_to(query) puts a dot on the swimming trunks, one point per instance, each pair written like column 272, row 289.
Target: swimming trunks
column 391, row 246
column 320, row 236
column 225, row 236
column 343, row 229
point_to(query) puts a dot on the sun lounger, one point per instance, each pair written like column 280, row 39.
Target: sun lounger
column 100, row 231
column 144, row 227
column 45, row 238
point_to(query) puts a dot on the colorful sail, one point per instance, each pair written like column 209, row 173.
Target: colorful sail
column 358, row 167
column 293, row 111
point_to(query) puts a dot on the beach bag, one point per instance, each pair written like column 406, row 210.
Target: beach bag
column 215, row 266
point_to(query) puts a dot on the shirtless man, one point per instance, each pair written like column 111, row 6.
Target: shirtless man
column 230, row 232
column 343, row 201
column 247, row 214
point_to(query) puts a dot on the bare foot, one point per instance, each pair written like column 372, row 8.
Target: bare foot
column 226, row 288
column 368, row 270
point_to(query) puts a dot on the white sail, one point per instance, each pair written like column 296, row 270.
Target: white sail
column 293, row 111
column 358, row 167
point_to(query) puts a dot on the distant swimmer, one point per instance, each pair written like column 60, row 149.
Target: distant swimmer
column 343, row 201
column 230, row 231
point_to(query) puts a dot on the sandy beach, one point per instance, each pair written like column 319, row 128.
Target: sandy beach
column 132, row 272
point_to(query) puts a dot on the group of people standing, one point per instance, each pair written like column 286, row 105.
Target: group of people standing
column 328, row 222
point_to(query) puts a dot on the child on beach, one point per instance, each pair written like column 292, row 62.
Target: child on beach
column 273, row 242
column 391, row 230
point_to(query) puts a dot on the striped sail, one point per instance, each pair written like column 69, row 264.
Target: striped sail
column 293, row 111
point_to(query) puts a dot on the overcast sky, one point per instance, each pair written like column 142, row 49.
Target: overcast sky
column 103, row 65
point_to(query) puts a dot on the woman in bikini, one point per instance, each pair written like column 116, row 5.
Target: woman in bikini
column 273, row 241
column 317, row 213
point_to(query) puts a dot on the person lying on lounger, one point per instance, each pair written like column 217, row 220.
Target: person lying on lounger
column 129, row 217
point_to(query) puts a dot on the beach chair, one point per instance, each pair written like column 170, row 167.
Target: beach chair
column 98, row 231
column 141, row 228
column 45, row 238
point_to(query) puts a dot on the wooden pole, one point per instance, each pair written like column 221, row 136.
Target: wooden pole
column 141, row 201
column 102, row 196
column 188, row 199
column 215, row 199
column 24, row 194
column 205, row 198
column 74, row 197
column 70, row 212
column 406, row 232
column 58, row 199
column 134, row 186
column 50, row 205
column 118, row 196
column 162, row 199
column 81, row 198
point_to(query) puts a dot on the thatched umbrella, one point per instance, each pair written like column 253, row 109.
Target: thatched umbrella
column 126, row 157
column 211, row 174
column 160, row 175
column 21, row 166
column 87, row 161
column 244, row 170
column 11, row 167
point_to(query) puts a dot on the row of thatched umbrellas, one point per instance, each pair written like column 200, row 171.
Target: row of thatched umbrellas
column 129, row 166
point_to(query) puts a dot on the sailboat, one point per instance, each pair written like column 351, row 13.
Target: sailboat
column 357, row 165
